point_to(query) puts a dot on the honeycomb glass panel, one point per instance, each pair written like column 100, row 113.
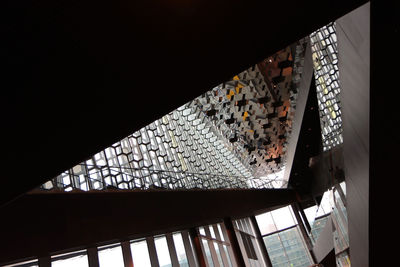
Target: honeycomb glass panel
column 232, row 136
column 324, row 55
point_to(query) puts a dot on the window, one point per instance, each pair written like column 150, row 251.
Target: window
column 140, row 253
column 248, row 245
column 282, row 238
column 180, row 250
column 246, row 235
column 78, row 259
column 111, row 256
column 207, row 252
column 163, row 256
column 215, row 246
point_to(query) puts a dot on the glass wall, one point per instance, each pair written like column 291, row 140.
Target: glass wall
column 282, row 237
column 171, row 248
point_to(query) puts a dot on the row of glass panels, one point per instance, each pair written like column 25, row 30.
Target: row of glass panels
column 112, row 256
column 279, row 228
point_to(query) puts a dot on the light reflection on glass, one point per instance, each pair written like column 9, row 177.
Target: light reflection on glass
column 163, row 256
column 140, row 254
column 180, row 249
column 111, row 257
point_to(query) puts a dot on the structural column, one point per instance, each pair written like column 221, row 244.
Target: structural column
column 264, row 250
column 353, row 37
column 172, row 250
column 234, row 242
column 152, row 251
column 303, row 231
column 127, row 254
column 93, row 257
column 45, row 261
column 197, row 247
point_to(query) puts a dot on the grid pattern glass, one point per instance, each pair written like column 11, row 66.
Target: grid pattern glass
column 287, row 248
column 326, row 73
column 282, row 238
column 276, row 220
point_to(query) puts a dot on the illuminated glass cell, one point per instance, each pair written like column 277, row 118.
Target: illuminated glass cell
column 327, row 82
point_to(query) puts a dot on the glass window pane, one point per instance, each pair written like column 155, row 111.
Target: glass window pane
column 111, row 257
column 162, row 251
column 287, row 248
column 245, row 226
column 294, row 247
column 140, row 254
column 275, row 249
column 343, row 186
column 208, row 252
column 78, row 261
column 325, row 206
column 202, row 231
column 311, row 212
column 283, row 218
column 180, row 250
column 227, row 255
column 221, row 263
column 265, row 223
column 220, row 232
column 212, row 231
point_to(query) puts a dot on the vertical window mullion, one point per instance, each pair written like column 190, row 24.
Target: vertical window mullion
column 172, row 250
column 152, row 251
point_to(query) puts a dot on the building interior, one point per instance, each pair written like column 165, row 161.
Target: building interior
column 197, row 133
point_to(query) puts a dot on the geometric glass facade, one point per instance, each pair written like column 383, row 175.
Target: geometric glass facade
column 326, row 72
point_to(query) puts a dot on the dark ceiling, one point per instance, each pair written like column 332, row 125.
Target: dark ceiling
column 79, row 75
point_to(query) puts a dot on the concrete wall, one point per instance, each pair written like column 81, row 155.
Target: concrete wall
column 353, row 33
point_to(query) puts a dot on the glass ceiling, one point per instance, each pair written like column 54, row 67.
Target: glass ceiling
column 233, row 136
